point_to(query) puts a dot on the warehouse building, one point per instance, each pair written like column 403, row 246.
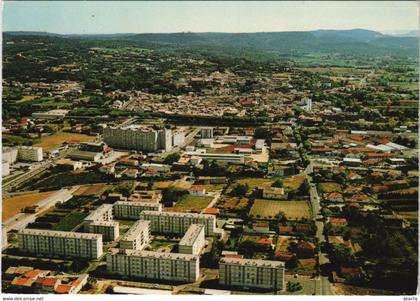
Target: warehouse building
column 153, row 265
column 251, row 273
column 132, row 210
column 137, row 237
column 193, row 241
column 178, row 222
column 60, row 243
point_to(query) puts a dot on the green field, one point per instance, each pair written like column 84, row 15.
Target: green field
column 70, row 221
column 192, row 203
column 267, row 209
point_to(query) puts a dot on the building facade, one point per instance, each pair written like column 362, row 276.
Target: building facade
column 109, row 230
column 132, row 210
column 153, row 265
column 60, row 243
column 193, row 241
column 251, row 273
column 178, row 222
column 137, row 237
column 30, row 153
column 206, row 132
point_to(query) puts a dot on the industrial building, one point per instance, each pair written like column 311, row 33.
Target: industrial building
column 251, row 273
column 153, row 265
column 193, row 241
column 60, row 243
column 137, row 237
column 178, row 222
column 132, row 210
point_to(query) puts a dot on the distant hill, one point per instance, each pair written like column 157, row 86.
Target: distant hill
column 351, row 42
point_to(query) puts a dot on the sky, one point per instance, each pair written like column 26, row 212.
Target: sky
column 69, row 17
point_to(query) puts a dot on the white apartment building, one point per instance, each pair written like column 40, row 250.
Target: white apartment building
column 30, row 153
column 138, row 138
column 132, row 210
column 153, row 265
column 109, row 230
column 10, row 155
column 102, row 214
column 5, row 168
column 137, row 237
column 178, row 222
column 156, row 166
column 206, row 132
column 60, row 243
column 193, row 241
column 248, row 273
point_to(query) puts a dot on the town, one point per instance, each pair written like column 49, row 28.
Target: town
column 134, row 169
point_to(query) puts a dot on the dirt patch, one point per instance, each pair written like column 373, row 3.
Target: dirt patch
column 56, row 140
column 13, row 205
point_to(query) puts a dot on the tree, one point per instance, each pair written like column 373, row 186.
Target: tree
column 172, row 158
column 277, row 183
column 247, row 248
column 240, row 190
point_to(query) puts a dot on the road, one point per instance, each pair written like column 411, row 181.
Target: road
column 323, row 285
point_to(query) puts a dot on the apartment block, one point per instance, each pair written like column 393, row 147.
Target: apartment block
column 30, row 153
column 109, row 230
column 138, row 138
column 178, row 222
column 252, row 273
column 153, row 265
column 60, row 243
column 193, row 241
column 206, row 132
column 102, row 214
column 137, row 237
column 132, row 210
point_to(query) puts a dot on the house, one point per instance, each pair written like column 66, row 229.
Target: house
column 285, row 230
column 214, row 211
column 276, row 193
column 151, row 173
column 305, row 249
column 265, row 242
column 303, row 228
column 197, row 190
column 261, row 228
column 350, row 273
column 334, row 197
column 107, row 169
column 132, row 173
column 284, row 256
column 354, row 162
column 337, row 221
column 354, row 176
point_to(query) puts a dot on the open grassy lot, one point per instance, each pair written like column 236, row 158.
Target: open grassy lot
column 192, row 203
column 90, row 190
column 17, row 140
column 329, row 187
column 180, row 184
column 255, row 182
column 213, row 187
column 268, row 209
column 70, row 221
column 57, row 139
column 13, row 205
column 293, row 182
column 283, row 243
column 63, row 179
column 232, row 203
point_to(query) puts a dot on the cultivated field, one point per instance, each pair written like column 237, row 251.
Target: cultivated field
column 293, row 183
column 56, row 140
column 13, row 205
column 232, row 203
column 268, row 209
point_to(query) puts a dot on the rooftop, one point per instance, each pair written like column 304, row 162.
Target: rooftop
column 191, row 235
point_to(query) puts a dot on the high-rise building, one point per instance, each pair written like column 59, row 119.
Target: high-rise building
column 193, row 241
column 139, row 138
column 248, row 273
column 60, row 243
column 153, row 265
column 132, row 210
column 110, row 230
column 178, row 222
column 30, row 153
column 137, row 237
column 206, row 132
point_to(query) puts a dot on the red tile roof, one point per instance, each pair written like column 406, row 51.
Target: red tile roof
column 63, row 289
column 264, row 241
column 211, row 211
column 49, row 282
